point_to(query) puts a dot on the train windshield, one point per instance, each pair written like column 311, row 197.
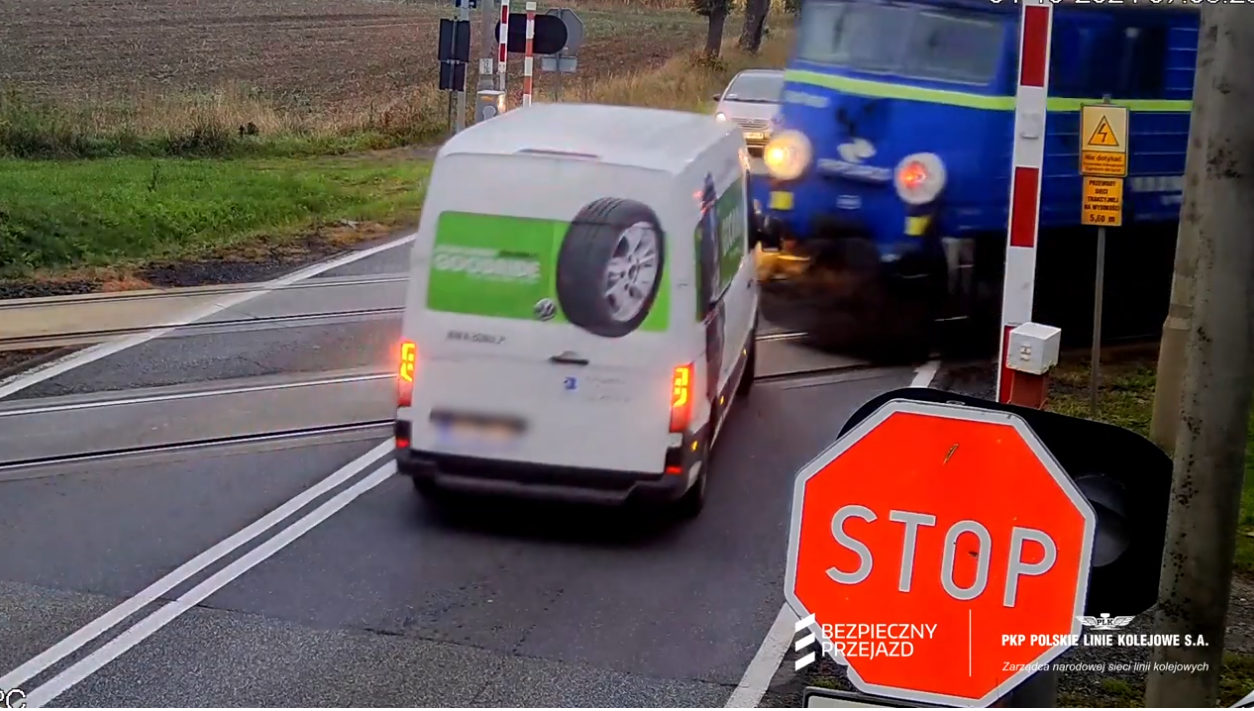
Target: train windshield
column 926, row 43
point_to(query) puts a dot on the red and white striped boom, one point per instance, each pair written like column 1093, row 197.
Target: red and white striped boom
column 502, row 54
column 527, row 58
column 1025, row 185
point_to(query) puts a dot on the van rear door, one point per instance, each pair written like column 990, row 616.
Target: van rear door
column 540, row 304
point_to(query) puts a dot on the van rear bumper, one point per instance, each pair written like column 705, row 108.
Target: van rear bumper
column 575, row 484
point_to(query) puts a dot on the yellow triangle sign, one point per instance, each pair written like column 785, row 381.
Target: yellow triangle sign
column 1104, row 135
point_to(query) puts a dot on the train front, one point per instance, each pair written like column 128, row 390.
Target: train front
column 860, row 167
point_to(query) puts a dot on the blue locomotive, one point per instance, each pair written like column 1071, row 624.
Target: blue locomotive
column 886, row 203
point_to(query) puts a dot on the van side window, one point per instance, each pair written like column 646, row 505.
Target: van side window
column 721, row 244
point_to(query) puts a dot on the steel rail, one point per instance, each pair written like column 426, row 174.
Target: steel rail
column 252, row 323
column 175, row 293
column 191, row 395
column 192, row 445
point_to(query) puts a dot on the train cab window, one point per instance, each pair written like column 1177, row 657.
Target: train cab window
column 863, row 37
column 954, row 48
column 910, row 40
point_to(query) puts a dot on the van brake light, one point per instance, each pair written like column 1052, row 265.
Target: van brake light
column 405, row 376
column 681, row 397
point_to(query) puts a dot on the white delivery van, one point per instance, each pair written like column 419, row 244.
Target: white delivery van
column 581, row 309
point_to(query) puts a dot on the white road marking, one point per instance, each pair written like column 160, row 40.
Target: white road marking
column 89, row 632
column 149, row 626
column 925, row 374
column 757, row 677
column 38, row 374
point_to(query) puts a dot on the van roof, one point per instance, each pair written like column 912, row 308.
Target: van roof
column 655, row 139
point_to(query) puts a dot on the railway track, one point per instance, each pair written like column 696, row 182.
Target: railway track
column 275, row 410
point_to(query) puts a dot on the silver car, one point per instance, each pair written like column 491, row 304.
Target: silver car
column 751, row 100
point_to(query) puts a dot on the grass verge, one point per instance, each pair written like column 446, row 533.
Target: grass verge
column 125, row 212
column 178, row 181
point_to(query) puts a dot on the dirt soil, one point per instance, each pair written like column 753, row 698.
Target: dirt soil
column 300, row 53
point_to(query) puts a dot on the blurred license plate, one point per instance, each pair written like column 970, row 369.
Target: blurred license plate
column 754, row 136
column 478, row 432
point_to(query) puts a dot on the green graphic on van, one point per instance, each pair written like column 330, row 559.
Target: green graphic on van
column 720, row 241
column 604, row 271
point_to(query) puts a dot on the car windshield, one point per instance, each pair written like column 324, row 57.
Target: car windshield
column 756, row 87
column 911, row 41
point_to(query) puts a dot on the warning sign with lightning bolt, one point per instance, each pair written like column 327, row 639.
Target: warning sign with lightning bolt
column 1104, row 129
column 1104, row 135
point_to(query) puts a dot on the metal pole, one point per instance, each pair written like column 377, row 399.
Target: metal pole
column 459, row 120
column 502, row 56
column 1099, row 291
column 1218, row 377
column 559, row 75
column 487, row 43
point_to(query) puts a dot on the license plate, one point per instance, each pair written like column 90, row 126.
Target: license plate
column 476, row 432
column 781, row 200
column 754, row 136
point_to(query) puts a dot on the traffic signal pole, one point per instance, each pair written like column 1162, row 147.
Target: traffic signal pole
column 1219, row 370
column 459, row 120
column 487, row 43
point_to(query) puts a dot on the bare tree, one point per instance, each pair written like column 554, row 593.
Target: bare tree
column 716, row 11
column 755, row 22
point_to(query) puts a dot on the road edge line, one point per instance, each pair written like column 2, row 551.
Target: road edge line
column 761, row 670
column 171, row 611
column 24, row 379
column 89, row 632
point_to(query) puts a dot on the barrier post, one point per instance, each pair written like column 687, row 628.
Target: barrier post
column 1025, row 185
column 527, row 57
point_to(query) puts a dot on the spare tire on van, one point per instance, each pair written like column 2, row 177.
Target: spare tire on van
column 609, row 268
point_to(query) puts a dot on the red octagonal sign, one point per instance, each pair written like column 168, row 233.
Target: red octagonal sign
column 942, row 551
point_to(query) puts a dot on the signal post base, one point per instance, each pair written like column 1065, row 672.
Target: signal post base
column 1027, row 389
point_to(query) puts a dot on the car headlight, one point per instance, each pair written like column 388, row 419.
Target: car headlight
column 787, row 155
column 720, row 116
column 919, row 178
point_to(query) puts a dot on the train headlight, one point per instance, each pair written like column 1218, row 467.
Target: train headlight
column 720, row 116
column 919, row 178
column 787, row 155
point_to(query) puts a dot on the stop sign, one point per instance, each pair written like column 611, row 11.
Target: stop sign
column 942, row 551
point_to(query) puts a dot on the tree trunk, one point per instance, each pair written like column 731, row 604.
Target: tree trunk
column 755, row 21
column 714, row 37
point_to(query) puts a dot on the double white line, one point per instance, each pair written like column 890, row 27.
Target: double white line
column 146, row 627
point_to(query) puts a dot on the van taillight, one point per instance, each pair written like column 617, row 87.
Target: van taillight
column 405, row 376
column 681, row 398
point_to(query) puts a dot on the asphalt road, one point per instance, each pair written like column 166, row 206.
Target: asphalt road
column 384, row 600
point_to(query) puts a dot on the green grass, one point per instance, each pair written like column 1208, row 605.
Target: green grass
column 206, row 125
column 118, row 211
column 1126, row 399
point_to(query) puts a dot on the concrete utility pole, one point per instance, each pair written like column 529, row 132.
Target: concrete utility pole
column 1165, row 422
column 1219, row 370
